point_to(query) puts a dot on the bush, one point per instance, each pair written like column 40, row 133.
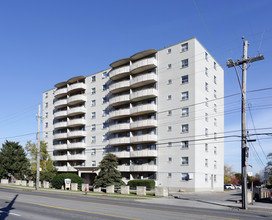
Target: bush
column 58, row 181
column 149, row 184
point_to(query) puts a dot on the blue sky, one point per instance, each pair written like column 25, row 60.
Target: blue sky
column 46, row 42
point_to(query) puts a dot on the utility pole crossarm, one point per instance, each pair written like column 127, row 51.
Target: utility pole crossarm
column 230, row 62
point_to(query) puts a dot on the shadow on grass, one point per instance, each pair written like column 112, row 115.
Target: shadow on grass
column 4, row 212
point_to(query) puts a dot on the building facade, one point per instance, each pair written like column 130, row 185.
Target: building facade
column 161, row 112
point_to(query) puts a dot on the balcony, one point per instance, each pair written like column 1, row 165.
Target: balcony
column 121, row 154
column 119, row 127
column 77, row 157
column 144, row 94
column 76, row 99
column 121, row 140
column 65, row 168
column 143, row 109
column 143, row 65
column 143, row 168
column 75, row 134
column 143, row 80
column 77, row 145
column 119, row 86
column 144, row 153
column 62, row 124
column 119, row 100
column 60, row 135
column 76, row 110
column 76, row 122
column 123, row 168
column 60, row 92
column 60, row 158
column 145, row 138
column 60, row 114
column 60, row 147
column 76, row 87
column 142, row 124
column 60, row 103
column 122, row 113
column 119, row 72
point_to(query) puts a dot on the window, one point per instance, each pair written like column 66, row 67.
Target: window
column 169, row 97
column 169, row 144
column 169, row 128
column 215, row 150
column 104, row 113
column 214, row 65
column 104, row 138
column 214, row 135
column 169, row 66
column 93, row 114
column 104, row 100
column 185, row 112
column 105, row 87
column 206, row 177
column 215, row 122
column 184, row 96
column 206, row 147
column 185, row 128
column 206, row 117
column 93, row 91
column 93, row 151
column 46, row 124
column 93, row 127
column 169, row 159
column 215, row 108
column 214, row 93
column 93, row 103
column 169, row 175
column 206, row 71
column 184, row 145
column 214, row 178
column 207, row 102
column 185, row 161
column 215, row 164
column 93, row 163
column 206, row 162
column 169, row 50
column 104, row 74
column 93, row 139
column 46, row 114
column 206, row 132
column 93, row 78
column 46, row 95
column 184, row 79
column 46, row 105
column 214, row 79
column 169, row 81
column 169, row 113
column 206, row 56
column 105, row 125
column 184, row 47
column 206, row 86
column 46, row 134
column 185, row 176
column 184, row 63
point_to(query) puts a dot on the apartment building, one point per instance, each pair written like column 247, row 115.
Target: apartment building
column 161, row 112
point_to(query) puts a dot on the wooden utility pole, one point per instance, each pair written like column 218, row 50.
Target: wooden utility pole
column 38, row 150
column 244, row 148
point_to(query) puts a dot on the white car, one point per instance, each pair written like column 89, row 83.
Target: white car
column 229, row 186
column 238, row 187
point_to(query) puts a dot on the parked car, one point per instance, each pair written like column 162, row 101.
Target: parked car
column 229, row 186
column 238, row 187
column 270, row 196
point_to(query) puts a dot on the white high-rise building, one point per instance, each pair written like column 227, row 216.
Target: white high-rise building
column 161, row 112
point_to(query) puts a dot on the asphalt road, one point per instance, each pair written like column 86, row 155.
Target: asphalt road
column 21, row 204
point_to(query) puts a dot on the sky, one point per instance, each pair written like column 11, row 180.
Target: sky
column 46, row 42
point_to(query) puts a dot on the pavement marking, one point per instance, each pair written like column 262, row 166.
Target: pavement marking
column 96, row 203
column 10, row 213
column 77, row 210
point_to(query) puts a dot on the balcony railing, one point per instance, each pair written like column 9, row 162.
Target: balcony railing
column 119, row 72
column 144, row 153
column 144, row 79
column 143, row 109
column 60, row 158
column 147, row 123
column 65, row 168
column 119, row 100
column 77, row 157
column 144, row 94
column 76, row 122
column 60, row 92
column 121, row 154
column 143, row 65
column 123, row 168
column 76, row 99
column 60, row 114
column 119, row 127
column 77, row 145
column 143, row 168
column 145, row 138
column 60, row 135
column 121, row 140
column 119, row 113
column 74, row 134
column 60, row 103
column 76, row 110
column 62, row 124
column 76, row 86
column 60, row 147
column 119, row 86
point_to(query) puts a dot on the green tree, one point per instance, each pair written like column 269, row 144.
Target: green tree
column 108, row 174
column 48, row 171
column 269, row 168
column 228, row 173
column 13, row 161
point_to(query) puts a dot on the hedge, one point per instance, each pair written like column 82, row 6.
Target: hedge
column 58, row 181
column 150, row 184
